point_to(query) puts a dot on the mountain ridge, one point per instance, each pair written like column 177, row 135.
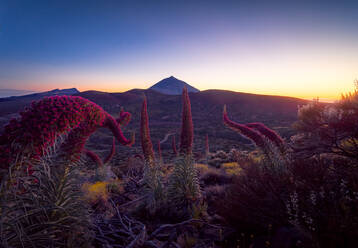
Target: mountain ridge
column 34, row 96
column 172, row 86
column 14, row 92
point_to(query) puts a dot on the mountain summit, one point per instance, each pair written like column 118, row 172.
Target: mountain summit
column 172, row 86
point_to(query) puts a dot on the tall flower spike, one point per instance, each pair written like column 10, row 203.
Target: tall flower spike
column 147, row 145
column 267, row 132
column 160, row 153
column 244, row 130
column 95, row 158
column 112, row 124
column 187, row 133
column 207, row 150
column 174, row 146
column 124, row 118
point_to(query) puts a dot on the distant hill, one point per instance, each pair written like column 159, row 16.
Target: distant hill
column 13, row 104
column 172, row 86
column 12, row 92
column 34, row 96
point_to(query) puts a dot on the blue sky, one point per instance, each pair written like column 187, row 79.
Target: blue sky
column 298, row 48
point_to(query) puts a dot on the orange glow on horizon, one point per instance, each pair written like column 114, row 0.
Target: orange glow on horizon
column 324, row 96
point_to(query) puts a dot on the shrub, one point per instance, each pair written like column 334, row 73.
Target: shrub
column 327, row 128
column 215, row 176
column 50, row 212
column 257, row 198
column 183, row 187
column 323, row 202
column 317, row 195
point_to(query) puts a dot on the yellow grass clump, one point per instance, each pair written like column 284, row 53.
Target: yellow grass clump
column 95, row 191
column 231, row 168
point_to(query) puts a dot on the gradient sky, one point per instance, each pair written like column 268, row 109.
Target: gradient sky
column 296, row 48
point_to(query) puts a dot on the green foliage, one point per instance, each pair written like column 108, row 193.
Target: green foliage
column 318, row 196
column 184, row 189
column 324, row 200
column 328, row 128
column 153, row 190
column 45, row 209
column 256, row 198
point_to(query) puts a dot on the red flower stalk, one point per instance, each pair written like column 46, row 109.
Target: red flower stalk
column 207, row 151
column 124, row 118
column 111, row 154
column 112, row 124
column 160, row 152
column 147, row 145
column 244, row 130
column 187, row 133
column 174, row 146
column 45, row 120
column 274, row 137
column 139, row 156
column 94, row 157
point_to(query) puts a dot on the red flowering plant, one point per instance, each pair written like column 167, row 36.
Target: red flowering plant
column 267, row 132
column 207, row 148
column 248, row 132
column 37, row 129
column 187, row 129
column 174, row 146
column 147, row 145
column 160, row 153
column 124, row 118
column 270, row 142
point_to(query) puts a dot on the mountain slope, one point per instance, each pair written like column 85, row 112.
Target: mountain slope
column 12, row 92
column 34, row 96
column 172, row 86
column 13, row 104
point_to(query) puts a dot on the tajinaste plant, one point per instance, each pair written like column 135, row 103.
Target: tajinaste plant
column 187, row 132
column 30, row 136
column 124, row 118
column 274, row 137
column 174, row 146
column 160, row 153
column 245, row 130
column 264, row 138
column 95, row 158
column 207, row 149
column 147, row 145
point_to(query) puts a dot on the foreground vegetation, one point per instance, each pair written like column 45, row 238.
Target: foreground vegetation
column 297, row 193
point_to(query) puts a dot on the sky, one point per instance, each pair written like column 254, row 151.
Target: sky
column 304, row 49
